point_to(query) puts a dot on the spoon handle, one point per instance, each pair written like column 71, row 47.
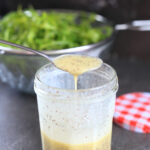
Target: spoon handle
column 26, row 49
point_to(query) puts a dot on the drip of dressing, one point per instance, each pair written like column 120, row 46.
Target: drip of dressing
column 75, row 82
column 77, row 65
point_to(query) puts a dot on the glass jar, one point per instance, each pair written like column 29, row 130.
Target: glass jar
column 76, row 120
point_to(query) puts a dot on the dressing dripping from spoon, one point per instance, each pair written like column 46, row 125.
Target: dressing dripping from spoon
column 77, row 64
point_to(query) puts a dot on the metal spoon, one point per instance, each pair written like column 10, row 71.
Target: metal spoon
column 27, row 49
column 41, row 53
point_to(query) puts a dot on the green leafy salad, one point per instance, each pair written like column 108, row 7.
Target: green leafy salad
column 51, row 30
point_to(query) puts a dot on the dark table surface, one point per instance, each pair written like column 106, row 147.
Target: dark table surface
column 19, row 126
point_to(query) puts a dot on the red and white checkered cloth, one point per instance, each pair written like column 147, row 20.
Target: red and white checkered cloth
column 132, row 112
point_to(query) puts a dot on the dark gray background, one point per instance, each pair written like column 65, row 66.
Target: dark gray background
column 116, row 10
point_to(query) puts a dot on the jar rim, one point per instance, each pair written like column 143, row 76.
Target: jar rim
column 112, row 82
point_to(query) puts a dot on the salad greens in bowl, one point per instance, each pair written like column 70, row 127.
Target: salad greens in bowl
column 52, row 30
column 55, row 32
